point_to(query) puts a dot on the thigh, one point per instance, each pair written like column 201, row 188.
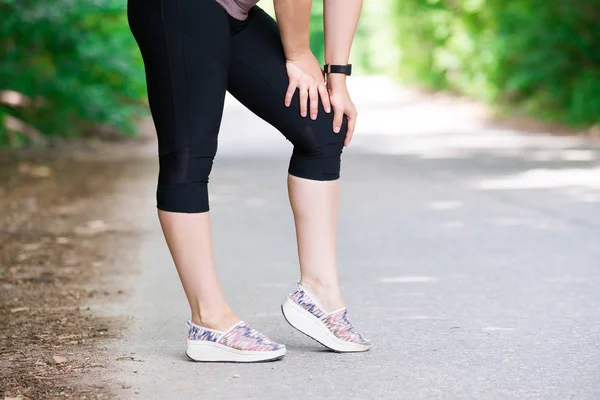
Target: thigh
column 185, row 48
column 258, row 79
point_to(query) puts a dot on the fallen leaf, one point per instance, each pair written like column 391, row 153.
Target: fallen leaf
column 19, row 309
column 59, row 359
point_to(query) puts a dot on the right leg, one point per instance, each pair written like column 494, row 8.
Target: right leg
column 185, row 46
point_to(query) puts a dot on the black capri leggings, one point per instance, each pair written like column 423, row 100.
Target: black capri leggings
column 193, row 52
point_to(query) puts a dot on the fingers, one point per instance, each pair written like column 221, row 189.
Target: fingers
column 352, row 114
column 325, row 98
column 351, row 126
column 314, row 101
column 309, row 90
column 303, row 100
column 290, row 93
column 338, row 117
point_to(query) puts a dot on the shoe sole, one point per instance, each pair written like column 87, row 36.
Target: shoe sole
column 203, row 351
column 311, row 326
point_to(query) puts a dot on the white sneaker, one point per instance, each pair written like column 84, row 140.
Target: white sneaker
column 240, row 343
column 332, row 329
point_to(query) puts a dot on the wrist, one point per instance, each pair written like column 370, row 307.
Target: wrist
column 336, row 82
column 295, row 54
column 336, row 59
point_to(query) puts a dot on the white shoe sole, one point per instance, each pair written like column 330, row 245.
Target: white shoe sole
column 200, row 350
column 311, row 326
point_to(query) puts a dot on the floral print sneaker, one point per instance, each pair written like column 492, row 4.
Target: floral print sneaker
column 332, row 329
column 240, row 343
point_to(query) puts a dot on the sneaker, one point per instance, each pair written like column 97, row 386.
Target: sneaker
column 332, row 329
column 240, row 343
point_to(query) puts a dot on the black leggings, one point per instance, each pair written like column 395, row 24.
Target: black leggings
column 193, row 53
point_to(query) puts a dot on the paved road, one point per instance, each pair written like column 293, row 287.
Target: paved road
column 470, row 255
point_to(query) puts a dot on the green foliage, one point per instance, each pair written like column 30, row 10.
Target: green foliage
column 75, row 60
column 317, row 33
column 549, row 58
column 539, row 55
column 77, row 63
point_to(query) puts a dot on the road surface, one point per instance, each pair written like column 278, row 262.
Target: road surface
column 469, row 255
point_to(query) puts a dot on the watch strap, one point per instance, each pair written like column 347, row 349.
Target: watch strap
column 338, row 69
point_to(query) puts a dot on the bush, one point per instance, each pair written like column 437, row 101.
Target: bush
column 75, row 61
column 549, row 58
column 542, row 55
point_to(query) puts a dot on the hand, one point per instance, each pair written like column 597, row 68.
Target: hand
column 342, row 105
column 304, row 73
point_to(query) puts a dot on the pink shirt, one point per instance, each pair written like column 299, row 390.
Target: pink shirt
column 238, row 9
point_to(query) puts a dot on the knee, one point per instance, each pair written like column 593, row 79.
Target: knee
column 182, row 166
column 317, row 151
column 304, row 141
column 183, row 180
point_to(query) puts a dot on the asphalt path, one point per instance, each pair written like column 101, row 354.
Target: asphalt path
column 469, row 255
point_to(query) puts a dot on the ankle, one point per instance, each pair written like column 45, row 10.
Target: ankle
column 219, row 321
column 329, row 286
column 327, row 294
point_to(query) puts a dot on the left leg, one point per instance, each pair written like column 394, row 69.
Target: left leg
column 258, row 78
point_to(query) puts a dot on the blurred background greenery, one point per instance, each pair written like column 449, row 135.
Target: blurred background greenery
column 67, row 68
column 72, row 68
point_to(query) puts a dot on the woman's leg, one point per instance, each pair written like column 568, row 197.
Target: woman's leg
column 185, row 46
column 315, row 208
column 190, row 242
column 258, row 78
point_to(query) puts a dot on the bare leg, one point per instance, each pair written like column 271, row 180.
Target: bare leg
column 190, row 242
column 315, row 206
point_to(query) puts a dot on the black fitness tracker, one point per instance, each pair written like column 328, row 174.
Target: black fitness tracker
column 338, row 69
